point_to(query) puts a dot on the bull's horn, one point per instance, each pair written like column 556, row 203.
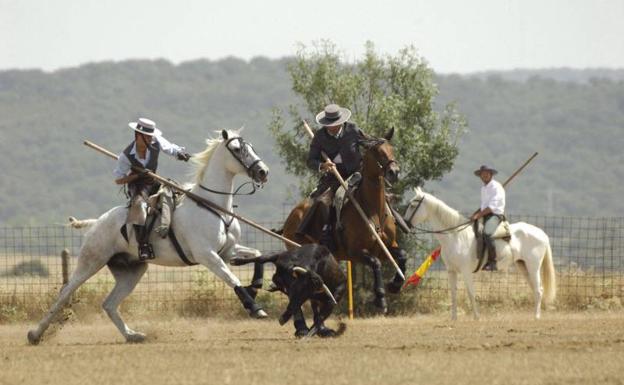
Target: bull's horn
column 329, row 293
column 298, row 270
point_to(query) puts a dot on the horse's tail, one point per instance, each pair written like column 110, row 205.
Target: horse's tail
column 548, row 276
column 239, row 261
column 79, row 224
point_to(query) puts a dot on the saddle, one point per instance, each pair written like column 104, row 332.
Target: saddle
column 155, row 212
column 502, row 232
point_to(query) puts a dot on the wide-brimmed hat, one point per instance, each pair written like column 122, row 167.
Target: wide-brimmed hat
column 333, row 115
column 485, row 168
column 145, row 126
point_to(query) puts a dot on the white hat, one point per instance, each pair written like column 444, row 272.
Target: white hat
column 145, row 126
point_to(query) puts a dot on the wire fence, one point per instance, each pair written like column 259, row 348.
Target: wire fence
column 588, row 255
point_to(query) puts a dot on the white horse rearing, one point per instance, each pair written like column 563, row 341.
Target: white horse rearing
column 529, row 249
column 206, row 238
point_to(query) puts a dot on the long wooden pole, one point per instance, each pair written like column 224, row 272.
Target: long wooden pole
column 519, row 170
column 370, row 226
column 195, row 196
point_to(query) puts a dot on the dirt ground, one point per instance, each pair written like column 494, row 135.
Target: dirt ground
column 562, row 348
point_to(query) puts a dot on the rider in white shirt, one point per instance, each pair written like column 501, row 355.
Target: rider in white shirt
column 492, row 210
column 143, row 153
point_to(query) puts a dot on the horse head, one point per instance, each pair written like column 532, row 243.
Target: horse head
column 241, row 157
column 379, row 157
column 416, row 212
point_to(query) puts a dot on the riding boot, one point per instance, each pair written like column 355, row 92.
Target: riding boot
column 327, row 234
column 491, row 251
column 307, row 218
column 145, row 249
column 327, row 238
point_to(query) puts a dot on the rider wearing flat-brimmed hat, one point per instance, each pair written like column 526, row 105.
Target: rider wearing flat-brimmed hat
column 143, row 152
column 338, row 138
column 492, row 210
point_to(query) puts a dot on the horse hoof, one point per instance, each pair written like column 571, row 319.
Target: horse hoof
column 382, row 306
column 259, row 314
column 135, row 338
column 32, row 338
column 300, row 333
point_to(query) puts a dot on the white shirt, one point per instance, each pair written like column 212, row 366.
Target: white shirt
column 493, row 196
column 124, row 166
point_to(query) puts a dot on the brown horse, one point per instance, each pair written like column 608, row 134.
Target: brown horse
column 355, row 241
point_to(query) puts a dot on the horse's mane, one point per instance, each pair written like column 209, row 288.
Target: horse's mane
column 201, row 159
column 447, row 215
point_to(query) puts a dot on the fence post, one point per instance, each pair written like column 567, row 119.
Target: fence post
column 65, row 265
column 350, row 289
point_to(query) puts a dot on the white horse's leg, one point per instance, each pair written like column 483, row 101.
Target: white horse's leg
column 467, row 276
column 126, row 279
column 535, row 281
column 213, row 261
column 452, row 277
column 244, row 251
column 84, row 270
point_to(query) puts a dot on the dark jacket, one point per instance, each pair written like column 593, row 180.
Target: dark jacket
column 346, row 146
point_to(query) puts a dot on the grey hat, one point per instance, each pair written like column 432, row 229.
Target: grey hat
column 485, row 168
column 333, row 115
column 145, row 126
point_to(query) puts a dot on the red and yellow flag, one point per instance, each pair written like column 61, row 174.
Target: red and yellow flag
column 420, row 272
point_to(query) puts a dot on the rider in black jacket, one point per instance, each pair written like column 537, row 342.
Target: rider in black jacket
column 338, row 139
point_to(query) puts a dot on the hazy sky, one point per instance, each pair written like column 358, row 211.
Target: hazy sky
column 454, row 36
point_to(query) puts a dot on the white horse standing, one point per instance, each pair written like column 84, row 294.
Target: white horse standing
column 205, row 237
column 529, row 249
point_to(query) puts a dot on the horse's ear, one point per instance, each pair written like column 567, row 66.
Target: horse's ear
column 224, row 134
column 389, row 134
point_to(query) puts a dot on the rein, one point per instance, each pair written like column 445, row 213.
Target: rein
column 235, row 193
column 443, row 231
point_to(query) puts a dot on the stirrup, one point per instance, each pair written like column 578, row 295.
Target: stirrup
column 490, row 266
column 146, row 252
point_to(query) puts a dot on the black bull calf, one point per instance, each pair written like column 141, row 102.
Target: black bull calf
column 309, row 272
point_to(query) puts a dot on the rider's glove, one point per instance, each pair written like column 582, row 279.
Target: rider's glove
column 183, row 155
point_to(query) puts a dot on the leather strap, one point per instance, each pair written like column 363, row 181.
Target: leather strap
column 178, row 248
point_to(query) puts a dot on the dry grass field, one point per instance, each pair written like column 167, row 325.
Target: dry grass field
column 502, row 348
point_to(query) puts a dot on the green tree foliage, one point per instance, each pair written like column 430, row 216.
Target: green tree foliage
column 382, row 92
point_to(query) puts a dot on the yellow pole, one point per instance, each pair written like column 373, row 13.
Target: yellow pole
column 350, row 289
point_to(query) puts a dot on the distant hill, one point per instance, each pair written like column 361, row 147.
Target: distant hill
column 574, row 118
column 559, row 74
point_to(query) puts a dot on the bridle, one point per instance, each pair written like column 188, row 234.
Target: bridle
column 443, row 231
column 420, row 201
column 384, row 167
column 242, row 154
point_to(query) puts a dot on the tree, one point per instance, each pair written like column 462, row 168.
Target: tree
column 382, row 92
